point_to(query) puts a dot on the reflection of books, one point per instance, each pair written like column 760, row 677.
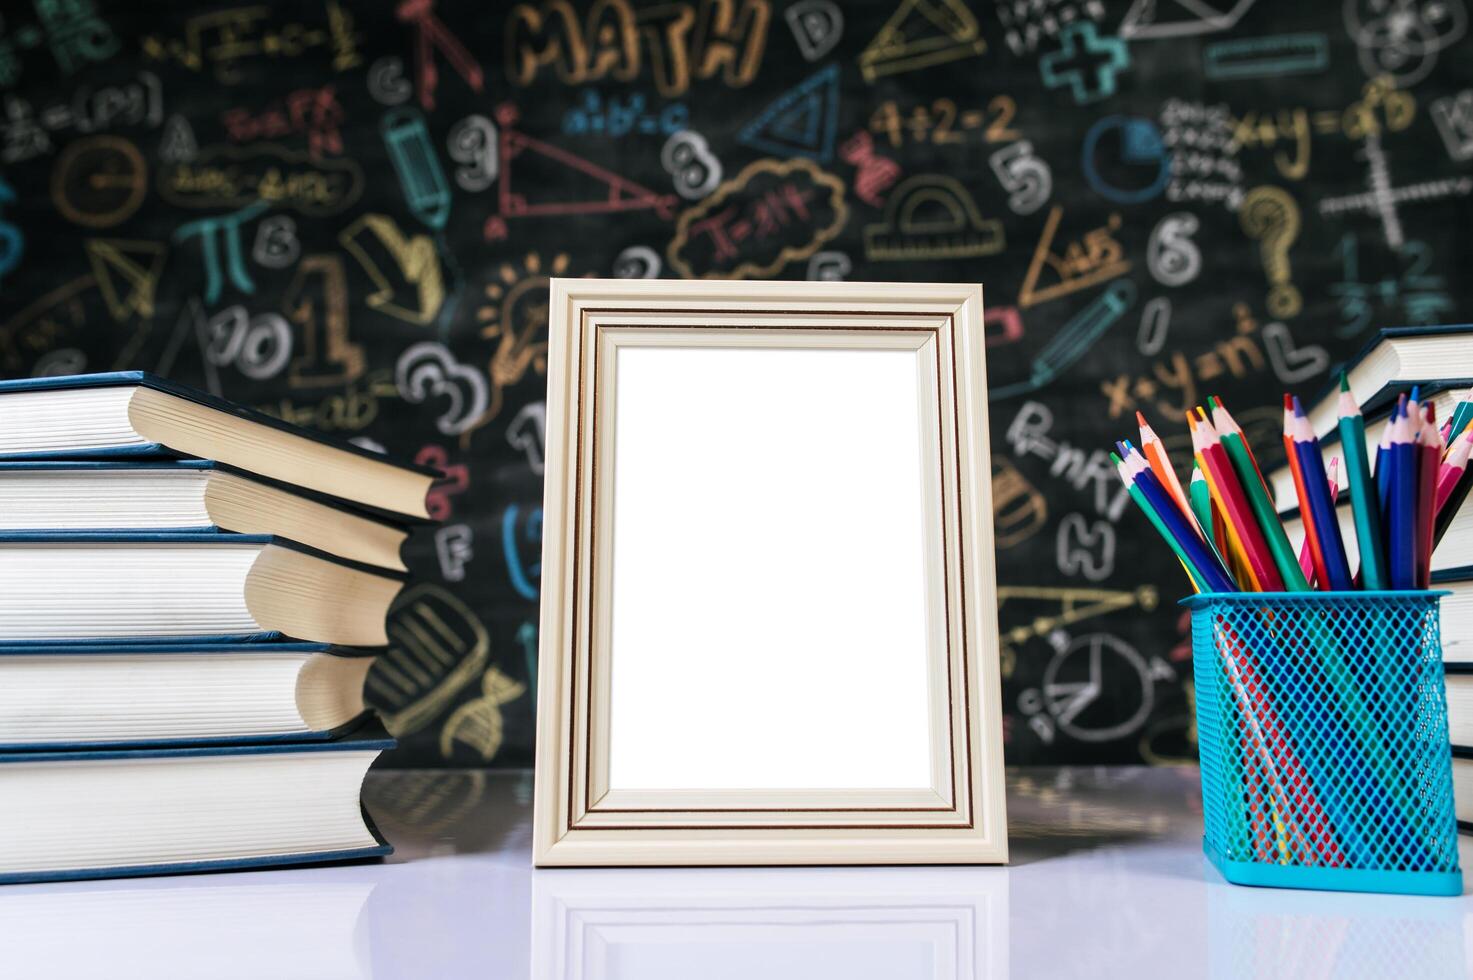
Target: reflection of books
column 186, row 928
column 88, row 814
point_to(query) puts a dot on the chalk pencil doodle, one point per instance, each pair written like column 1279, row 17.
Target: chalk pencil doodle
column 56, row 318
column 1084, row 547
column 1027, row 178
column 431, row 35
column 1149, row 20
column 1095, row 258
column 426, row 372
column 802, row 121
column 12, row 239
column 1125, row 159
column 817, row 26
column 127, row 274
column 277, row 245
column 1381, row 199
column 1292, row 363
column 637, row 262
column 177, row 144
column 1270, row 217
column 725, row 37
column 1403, row 38
column 1019, row 510
column 932, row 216
column 317, row 302
column 1266, row 57
column 525, row 575
column 1074, row 340
column 919, row 34
column 232, row 177
column 405, row 271
column 619, row 194
column 454, row 479
column 600, row 114
column 99, row 181
column 258, row 346
column 473, row 143
column 1155, row 326
column 874, row 174
column 413, row 155
column 1008, row 320
column 828, row 267
column 224, row 227
column 528, row 433
column 386, row 82
column 1087, row 63
column 453, row 550
column 1453, row 116
column 478, row 722
column 688, row 159
column 769, row 215
column 437, row 646
column 1172, row 258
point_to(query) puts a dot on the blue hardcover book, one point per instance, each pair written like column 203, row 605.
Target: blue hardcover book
column 135, row 414
column 117, row 695
column 110, row 586
column 189, row 495
column 1393, row 361
column 114, row 813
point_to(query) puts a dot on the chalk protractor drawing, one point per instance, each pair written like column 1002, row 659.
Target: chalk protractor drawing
column 930, row 216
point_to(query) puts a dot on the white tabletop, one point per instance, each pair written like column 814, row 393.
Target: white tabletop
column 1107, row 880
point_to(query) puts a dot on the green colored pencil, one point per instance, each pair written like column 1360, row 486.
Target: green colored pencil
column 1150, row 512
column 1258, row 500
column 1461, row 416
column 1364, row 500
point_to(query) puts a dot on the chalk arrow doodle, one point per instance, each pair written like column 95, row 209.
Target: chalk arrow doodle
column 921, row 33
column 1089, row 64
column 427, row 371
column 803, row 120
column 817, row 26
column 930, row 216
column 416, row 289
column 127, row 274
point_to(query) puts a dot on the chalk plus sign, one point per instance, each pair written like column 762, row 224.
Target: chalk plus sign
column 1088, row 63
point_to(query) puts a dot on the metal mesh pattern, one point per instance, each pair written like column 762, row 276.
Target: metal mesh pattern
column 1323, row 729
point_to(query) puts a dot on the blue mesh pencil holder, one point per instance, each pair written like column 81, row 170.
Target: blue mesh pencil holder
column 1322, row 722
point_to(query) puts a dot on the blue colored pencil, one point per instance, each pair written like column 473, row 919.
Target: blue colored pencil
column 1401, row 533
column 1203, row 561
column 1318, row 506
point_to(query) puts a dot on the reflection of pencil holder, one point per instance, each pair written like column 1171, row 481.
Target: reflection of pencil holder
column 1322, row 723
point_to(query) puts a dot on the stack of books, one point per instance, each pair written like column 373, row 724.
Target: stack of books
column 1438, row 363
column 189, row 595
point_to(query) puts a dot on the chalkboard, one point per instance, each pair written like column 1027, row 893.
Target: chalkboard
column 346, row 214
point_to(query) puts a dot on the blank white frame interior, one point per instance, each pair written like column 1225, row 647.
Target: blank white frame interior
column 769, row 628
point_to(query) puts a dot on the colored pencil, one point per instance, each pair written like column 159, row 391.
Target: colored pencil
column 1383, row 466
column 1241, row 457
column 1454, row 465
column 1401, row 510
column 1364, row 500
column 1219, row 409
column 1429, row 458
column 1328, row 550
column 1306, row 562
column 1193, row 551
column 1155, row 519
column 1155, row 452
column 1462, row 413
column 1228, row 492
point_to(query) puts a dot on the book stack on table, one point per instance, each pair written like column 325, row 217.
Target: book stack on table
column 1437, row 363
column 190, row 597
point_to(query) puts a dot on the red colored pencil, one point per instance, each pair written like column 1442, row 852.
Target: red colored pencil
column 1429, row 459
column 1224, row 481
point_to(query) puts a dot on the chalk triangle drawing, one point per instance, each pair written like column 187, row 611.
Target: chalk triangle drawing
column 919, row 34
column 803, row 120
column 602, row 190
column 127, row 273
column 1150, row 19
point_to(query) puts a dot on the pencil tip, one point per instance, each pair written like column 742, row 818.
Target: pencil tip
column 1298, row 407
column 1344, row 382
column 1288, row 402
column 1416, row 391
column 1140, row 419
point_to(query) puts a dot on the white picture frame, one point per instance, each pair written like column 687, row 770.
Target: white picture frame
column 840, row 705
